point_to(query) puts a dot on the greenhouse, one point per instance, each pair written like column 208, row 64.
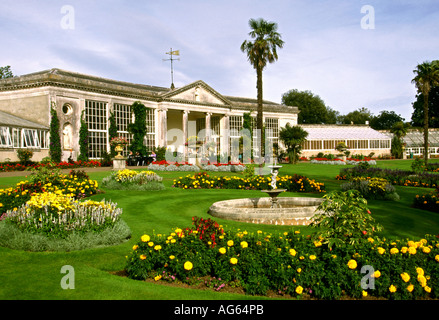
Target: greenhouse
column 414, row 142
column 17, row 133
column 360, row 139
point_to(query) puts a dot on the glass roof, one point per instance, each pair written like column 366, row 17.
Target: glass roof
column 342, row 132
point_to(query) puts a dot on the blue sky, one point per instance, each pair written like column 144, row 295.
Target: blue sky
column 326, row 49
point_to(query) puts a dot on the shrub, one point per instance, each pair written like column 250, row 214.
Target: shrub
column 133, row 180
column 24, row 155
column 373, row 188
column 343, row 217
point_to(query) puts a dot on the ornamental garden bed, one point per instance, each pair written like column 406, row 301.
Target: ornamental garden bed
column 49, row 213
column 287, row 263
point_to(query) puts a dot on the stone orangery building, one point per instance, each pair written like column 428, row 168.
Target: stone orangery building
column 173, row 115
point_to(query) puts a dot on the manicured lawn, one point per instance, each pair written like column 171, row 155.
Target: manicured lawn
column 27, row 275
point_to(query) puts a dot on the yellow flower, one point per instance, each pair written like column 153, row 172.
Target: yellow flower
column 317, row 243
column 150, row 243
column 422, row 280
column 222, row 250
column 352, row 264
column 145, row 238
column 436, row 258
column 157, row 247
column 404, row 249
column 426, row 249
column 364, row 293
column 394, row 251
column 420, row 271
column 157, row 278
column 312, row 257
column 410, row 287
column 381, row 250
column 299, row 270
column 230, row 243
column 299, row 290
column 244, row 244
column 377, row 274
column 405, row 277
column 392, row 288
column 142, row 257
column 135, row 247
column 293, row 252
column 233, row 260
column 188, row 265
column 172, row 257
column 427, row 289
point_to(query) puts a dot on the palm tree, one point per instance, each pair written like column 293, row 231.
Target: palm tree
column 293, row 138
column 427, row 76
column 260, row 51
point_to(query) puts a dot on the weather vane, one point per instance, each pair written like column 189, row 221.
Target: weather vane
column 172, row 53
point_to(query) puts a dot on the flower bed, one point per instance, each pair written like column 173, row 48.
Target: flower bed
column 396, row 177
column 288, row 263
column 75, row 184
column 9, row 167
column 133, row 180
column 203, row 180
column 372, row 188
column 58, row 215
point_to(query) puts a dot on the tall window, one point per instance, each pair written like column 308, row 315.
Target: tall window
column 96, row 119
column 124, row 117
column 272, row 129
column 150, row 129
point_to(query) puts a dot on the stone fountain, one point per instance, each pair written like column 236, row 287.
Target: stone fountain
column 268, row 210
column 274, row 191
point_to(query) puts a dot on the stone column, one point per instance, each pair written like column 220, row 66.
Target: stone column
column 208, row 127
column 163, row 126
column 224, row 137
column 185, row 132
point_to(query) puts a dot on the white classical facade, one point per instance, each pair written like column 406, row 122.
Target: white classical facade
column 173, row 115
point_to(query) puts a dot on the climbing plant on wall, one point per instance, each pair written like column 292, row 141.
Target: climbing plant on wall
column 83, row 140
column 55, row 151
column 138, row 128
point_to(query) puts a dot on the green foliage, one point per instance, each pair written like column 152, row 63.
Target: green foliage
column 55, row 139
column 138, row 128
column 24, row 155
column 83, row 140
column 6, row 72
column 293, row 138
column 343, row 217
column 112, row 132
column 396, row 148
column 385, row 120
column 312, row 108
column 359, row 116
column 418, row 165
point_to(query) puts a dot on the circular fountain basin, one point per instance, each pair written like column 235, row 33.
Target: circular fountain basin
column 291, row 210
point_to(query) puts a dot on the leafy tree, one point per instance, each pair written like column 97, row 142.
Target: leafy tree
column 6, row 72
column 359, row 116
column 426, row 77
column 385, row 120
column 83, row 140
column 312, row 108
column 433, row 109
column 260, row 51
column 138, row 128
column 55, row 139
column 293, row 138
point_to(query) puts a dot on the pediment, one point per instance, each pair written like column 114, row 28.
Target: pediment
column 197, row 92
